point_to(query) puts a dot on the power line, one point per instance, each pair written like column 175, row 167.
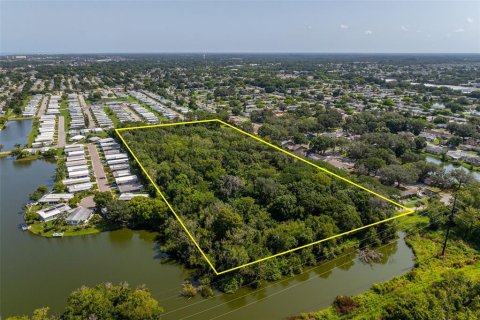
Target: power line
column 295, row 285
column 301, row 264
column 285, row 279
column 298, row 265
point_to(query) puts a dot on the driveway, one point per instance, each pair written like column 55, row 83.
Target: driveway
column 100, row 176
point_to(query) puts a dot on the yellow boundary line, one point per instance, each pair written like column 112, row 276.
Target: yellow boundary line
column 117, row 131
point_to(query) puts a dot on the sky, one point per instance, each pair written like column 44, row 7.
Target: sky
column 159, row 26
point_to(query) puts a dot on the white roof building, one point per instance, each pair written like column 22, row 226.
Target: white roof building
column 53, row 212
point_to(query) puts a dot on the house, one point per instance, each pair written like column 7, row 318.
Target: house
column 79, row 215
column 126, row 179
column 129, row 187
column 53, row 198
column 80, row 187
column 53, row 212
column 430, row 191
column 410, row 192
column 431, row 148
column 127, row 196
column 78, row 174
column 298, row 149
column 75, row 180
column 77, row 138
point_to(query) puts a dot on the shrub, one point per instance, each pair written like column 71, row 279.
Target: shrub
column 345, row 304
column 188, row 290
column 206, row 291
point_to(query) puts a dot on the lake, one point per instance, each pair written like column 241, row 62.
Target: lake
column 15, row 132
column 38, row 272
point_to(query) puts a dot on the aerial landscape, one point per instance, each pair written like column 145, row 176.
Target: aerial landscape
column 240, row 159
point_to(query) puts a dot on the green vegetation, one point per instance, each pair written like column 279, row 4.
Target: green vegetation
column 34, row 132
column 65, row 112
column 37, row 194
column 104, row 301
column 243, row 201
column 47, row 229
column 439, row 287
column 19, row 99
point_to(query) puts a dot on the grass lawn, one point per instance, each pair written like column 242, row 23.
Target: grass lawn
column 68, row 231
column 34, row 132
column 65, row 113
column 430, row 268
column 30, row 157
column 112, row 116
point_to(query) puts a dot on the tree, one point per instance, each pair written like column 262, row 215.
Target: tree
column 285, row 207
column 102, row 199
column 231, row 186
column 147, row 212
column 373, row 164
column 398, row 174
column 107, row 301
column 329, row 119
column 360, row 150
column 321, row 144
column 117, row 212
column 425, row 170
column 420, row 143
column 454, row 142
column 225, row 220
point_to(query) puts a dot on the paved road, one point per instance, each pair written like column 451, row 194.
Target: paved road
column 134, row 115
column 87, row 202
column 102, row 181
column 61, row 132
column 43, row 106
column 87, row 111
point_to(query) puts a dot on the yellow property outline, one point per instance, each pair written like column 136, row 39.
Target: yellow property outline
column 117, row 131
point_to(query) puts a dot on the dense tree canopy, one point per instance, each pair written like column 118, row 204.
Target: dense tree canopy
column 106, row 302
column 242, row 200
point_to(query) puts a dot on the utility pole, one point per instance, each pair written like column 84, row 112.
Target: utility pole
column 450, row 219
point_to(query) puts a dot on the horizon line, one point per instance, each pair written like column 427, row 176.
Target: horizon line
column 235, row 52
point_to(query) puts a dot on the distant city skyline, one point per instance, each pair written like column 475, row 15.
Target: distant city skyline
column 73, row 26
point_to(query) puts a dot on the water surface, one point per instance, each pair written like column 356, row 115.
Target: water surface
column 14, row 132
column 37, row 271
column 449, row 167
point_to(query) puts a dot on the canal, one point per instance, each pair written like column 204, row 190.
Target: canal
column 15, row 132
column 38, row 272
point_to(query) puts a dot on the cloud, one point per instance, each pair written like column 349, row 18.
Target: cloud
column 368, row 32
column 459, row 30
column 404, row 28
column 343, row 27
column 470, row 20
